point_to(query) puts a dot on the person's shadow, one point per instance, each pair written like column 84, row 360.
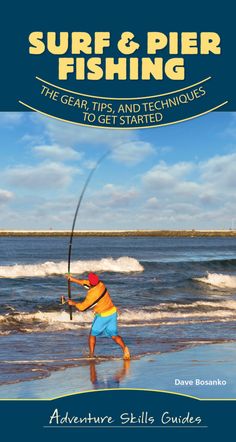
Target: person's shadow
column 112, row 381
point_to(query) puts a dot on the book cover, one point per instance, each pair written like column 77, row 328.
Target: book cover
column 118, row 225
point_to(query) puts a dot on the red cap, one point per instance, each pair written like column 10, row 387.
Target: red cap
column 93, row 279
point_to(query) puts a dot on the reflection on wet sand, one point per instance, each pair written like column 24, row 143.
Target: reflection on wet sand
column 111, row 380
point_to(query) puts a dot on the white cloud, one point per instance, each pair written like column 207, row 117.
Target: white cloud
column 163, row 176
column 125, row 146
column 5, row 196
column 112, row 196
column 32, row 139
column 11, row 118
column 220, row 172
column 132, row 152
column 187, row 195
column 153, row 203
column 46, row 175
column 68, row 134
column 89, row 164
column 57, row 153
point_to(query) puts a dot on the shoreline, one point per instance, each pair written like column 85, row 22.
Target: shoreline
column 151, row 372
column 119, row 233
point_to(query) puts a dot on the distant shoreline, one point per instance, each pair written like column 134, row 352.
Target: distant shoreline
column 119, row 233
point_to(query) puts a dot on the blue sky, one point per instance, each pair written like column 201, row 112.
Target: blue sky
column 179, row 177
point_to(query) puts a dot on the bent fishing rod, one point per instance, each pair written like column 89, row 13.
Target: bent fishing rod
column 75, row 218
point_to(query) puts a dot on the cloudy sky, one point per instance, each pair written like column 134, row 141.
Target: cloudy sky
column 174, row 177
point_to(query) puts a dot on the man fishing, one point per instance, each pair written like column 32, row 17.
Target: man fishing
column 105, row 320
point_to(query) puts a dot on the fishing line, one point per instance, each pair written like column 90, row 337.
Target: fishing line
column 75, row 218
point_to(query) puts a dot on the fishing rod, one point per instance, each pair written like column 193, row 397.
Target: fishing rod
column 75, row 218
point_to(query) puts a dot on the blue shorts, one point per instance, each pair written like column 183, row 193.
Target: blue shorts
column 105, row 326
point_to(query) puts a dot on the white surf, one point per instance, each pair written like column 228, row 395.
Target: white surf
column 219, row 280
column 162, row 314
column 124, row 264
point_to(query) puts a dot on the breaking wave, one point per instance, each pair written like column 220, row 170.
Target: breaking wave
column 219, row 280
column 50, row 268
column 162, row 314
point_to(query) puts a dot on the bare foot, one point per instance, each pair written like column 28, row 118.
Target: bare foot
column 126, row 354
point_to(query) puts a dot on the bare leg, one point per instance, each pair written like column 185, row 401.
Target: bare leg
column 118, row 340
column 92, row 343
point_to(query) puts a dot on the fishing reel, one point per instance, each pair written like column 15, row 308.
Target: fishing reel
column 63, row 300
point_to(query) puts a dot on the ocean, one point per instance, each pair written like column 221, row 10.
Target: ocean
column 173, row 293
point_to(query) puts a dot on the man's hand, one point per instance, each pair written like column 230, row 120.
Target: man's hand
column 71, row 302
column 68, row 276
column 71, row 278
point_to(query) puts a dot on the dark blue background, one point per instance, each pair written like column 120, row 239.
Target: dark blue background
column 19, row 68
column 30, row 417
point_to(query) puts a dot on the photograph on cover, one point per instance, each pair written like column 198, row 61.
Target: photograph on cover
column 152, row 271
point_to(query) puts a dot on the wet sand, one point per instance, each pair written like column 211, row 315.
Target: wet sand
column 206, row 363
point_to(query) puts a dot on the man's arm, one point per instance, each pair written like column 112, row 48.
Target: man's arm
column 83, row 282
column 81, row 306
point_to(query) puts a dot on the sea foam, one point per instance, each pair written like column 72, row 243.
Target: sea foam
column 162, row 314
column 121, row 265
column 219, row 280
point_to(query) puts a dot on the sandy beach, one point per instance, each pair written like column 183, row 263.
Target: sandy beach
column 205, row 363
